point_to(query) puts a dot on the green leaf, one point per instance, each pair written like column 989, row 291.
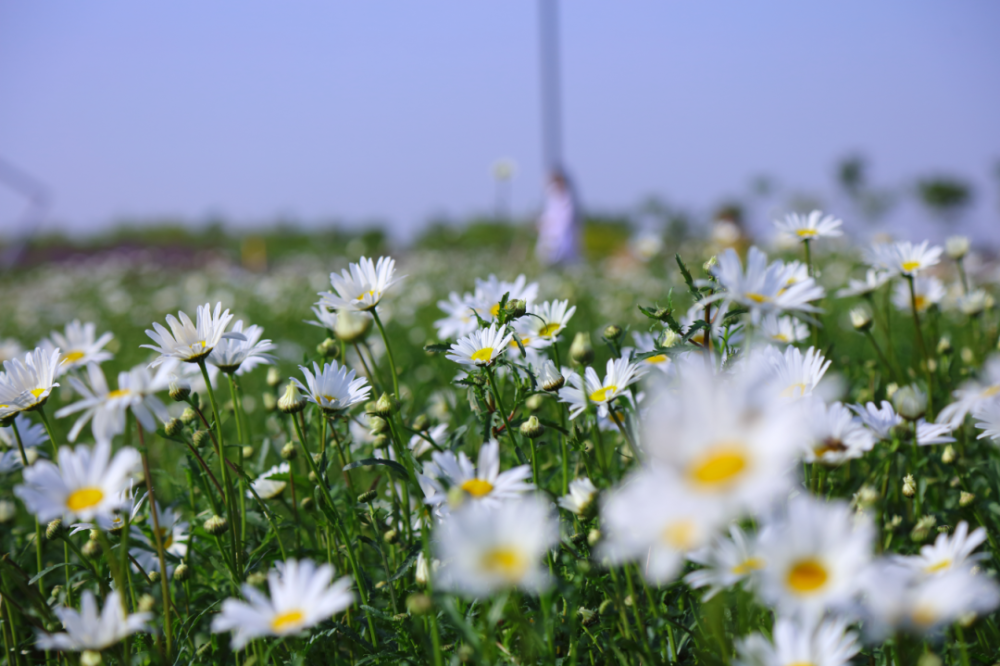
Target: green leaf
column 407, row 563
column 369, row 462
column 688, row 280
column 436, row 348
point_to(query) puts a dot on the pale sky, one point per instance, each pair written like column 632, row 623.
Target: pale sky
column 395, row 111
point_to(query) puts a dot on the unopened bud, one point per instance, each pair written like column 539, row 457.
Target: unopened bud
column 956, row 247
column 944, row 345
column 861, row 318
column 273, row 377
column 966, row 498
column 200, row 438
column 929, row 659
column 248, row 451
column 516, row 308
column 605, row 606
column 419, row 604
column 551, row 377
column 8, row 511
column 531, row 428
column 154, row 577
column 669, row 338
column 910, row 402
column 391, row 537
column 216, row 525
column 367, row 496
column 270, row 402
column 593, row 536
column 613, row 332
column 182, row 572
column 948, row 455
column 292, row 402
column 91, row 549
column 967, row 356
column 909, row 486
column 710, row 264
column 385, row 406
column 179, row 392
column 352, row 326
column 328, row 348
column 188, row 416
column 421, row 423
column 91, row 658
column 307, row 504
column 289, row 452
column 257, row 578
column 581, row 351
column 173, row 427
column 534, row 402
column 922, row 528
column 587, row 617
column 54, row 529
column 378, row 425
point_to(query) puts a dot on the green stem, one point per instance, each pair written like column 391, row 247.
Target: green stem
column 161, row 557
column 503, row 412
column 923, row 348
column 238, row 407
column 388, row 351
column 38, row 527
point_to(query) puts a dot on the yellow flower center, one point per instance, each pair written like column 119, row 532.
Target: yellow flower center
column 118, row 393
column 659, row 358
column 370, row 292
column 548, row 330
column 38, row 392
column 746, row 566
column 477, row 487
column 757, row 298
column 505, row 562
column 484, row 355
column 991, row 391
column 720, row 466
column 780, row 337
column 495, row 310
column 910, row 266
column 806, row 233
column 287, row 621
column 924, row 615
column 167, row 536
column 938, row 566
column 807, row 576
column 601, row 394
column 680, row 535
column 921, row 302
column 84, row 498
column 524, row 341
column 801, row 663
column 796, row 390
column 72, row 357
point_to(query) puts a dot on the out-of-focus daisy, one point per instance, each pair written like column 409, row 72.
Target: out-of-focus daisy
column 547, row 320
column 26, row 383
column 651, row 519
column 621, row 373
column 242, row 356
column 484, row 483
column 362, row 286
column 973, row 393
column 814, row 554
column 190, row 341
column 794, row 273
column 32, row 434
column 484, row 549
column 874, row 279
column 129, row 503
column 267, row 487
column 987, row 415
column 80, row 345
column 87, row 484
column 881, row 420
column 419, row 444
column 10, row 461
column 725, row 562
column 581, row 496
column 948, row 552
column 783, row 330
column 645, row 342
column 836, row 435
column 480, row 348
column 325, row 317
column 334, row 388
column 10, row 348
column 811, row 226
column 974, row 303
column 796, row 374
column 491, row 290
column 933, row 433
column 762, row 288
column 460, row 320
column 93, row 629
column 302, row 596
column 905, row 257
column 800, row 642
column 173, row 533
column 928, row 291
column 136, row 390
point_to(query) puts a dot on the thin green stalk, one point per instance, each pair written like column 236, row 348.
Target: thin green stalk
column 622, row 430
column 923, row 348
column 243, row 441
column 385, row 562
column 38, row 526
column 48, row 431
column 960, row 262
column 878, row 350
column 161, row 557
column 388, row 351
column 371, row 375
column 503, row 412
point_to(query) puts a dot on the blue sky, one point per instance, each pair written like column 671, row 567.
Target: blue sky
column 395, row 111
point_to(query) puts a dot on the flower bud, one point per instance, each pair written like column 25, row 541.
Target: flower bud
column 421, row 423
column 516, row 308
column 173, row 427
column 948, row 455
column 861, row 318
column 910, row 402
column 391, row 537
column 200, row 438
column 182, row 572
column 581, row 351
column 613, row 332
column 922, row 528
column 179, row 392
column 146, row 602
column 944, row 345
column 956, row 247
column 534, row 402
column 352, row 326
column 966, row 498
column 378, row 425
column 587, row 617
column 91, row 658
column 605, row 606
column 270, row 402
column 292, row 402
column 865, row 497
column 32, row 455
column 257, row 578
column 422, row 571
column 531, row 428
column 248, row 452
column 466, row 653
column 909, row 486
column 216, row 525
column 188, row 416
column 8, row 511
column 289, row 452
column 273, row 377
column 669, row 338
column 328, row 348
column 307, row 504
column 91, row 549
column 419, row 604
column 929, row 659
column 154, row 577
column 968, row 357
column 54, row 529
column 550, row 377
column 385, row 406
column 367, row 497
column 593, row 536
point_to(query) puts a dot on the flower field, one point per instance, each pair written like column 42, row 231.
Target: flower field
column 780, row 455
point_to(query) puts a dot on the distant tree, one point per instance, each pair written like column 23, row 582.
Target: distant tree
column 945, row 197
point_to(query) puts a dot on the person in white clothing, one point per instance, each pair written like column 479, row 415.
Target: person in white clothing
column 559, row 224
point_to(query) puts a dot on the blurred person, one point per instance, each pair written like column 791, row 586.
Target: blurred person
column 559, row 223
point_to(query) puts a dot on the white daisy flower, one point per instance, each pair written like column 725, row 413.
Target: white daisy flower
column 242, row 356
column 363, row 287
column 26, row 383
column 129, row 503
column 268, row 488
column 880, row 420
column 835, row 434
column 547, row 321
column 621, row 373
column 80, row 346
column 484, row 549
column 581, row 496
column 874, row 279
column 87, row 484
column 933, row 433
column 10, row 461
column 762, row 288
column 783, row 330
column 811, row 226
column 652, row 520
column 189, row 341
column 974, row 302
column 813, row 554
column 904, row 257
column 973, row 393
column 795, row 374
column 987, row 415
column 794, row 273
column 32, row 434
column 173, row 533
column 800, row 641
column 334, row 389
column 419, row 444
column 460, row 320
column 928, row 291
column 550, row 378
column 10, row 348
column 484, row 483
column 725, row 562
column 948, row 552
column 732, row 328
column 645, row 342
column 325, row 317
column 302, row 596
column 136, row 390
column 491, row 290
column 93, row 629
column 480, row 348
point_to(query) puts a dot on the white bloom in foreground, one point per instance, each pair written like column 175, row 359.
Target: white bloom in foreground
column 725, row 562
column 302, row 596
column 813, row 555
column 652, row 520
column 881, row 420
column 87, row 484
column 800, row 642
column 795, row 374
column 783, row 330
column 546, row 321
column 190, row 341
column 90, row 629
column 874, row 279
column 933, row 433
column 987, row 417
column 480, row 348
column 811, row 226
column 363, row 287
column 32, row 434
column 621, row 373
column 948, row 552
column 242, row 356
column 26, row 383
column 136, row 390
column 484, row 483
column 973, row 394
column 268, row 488
column 927, row 290
column 836, row 435
column 419, row 444
column 762, row 288
column 581, row 496
column 80, row 346
column 484, row 549
column 905, row 257
column 334, row 388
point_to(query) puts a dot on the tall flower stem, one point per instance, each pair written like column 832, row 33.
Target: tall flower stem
column 621, row 428
column 48, row 431
column 38, row 526
column 388, row 352
column 503, row 412
column 878, row 350
column 923, row 347
column 243, row 441
column 158, row 535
